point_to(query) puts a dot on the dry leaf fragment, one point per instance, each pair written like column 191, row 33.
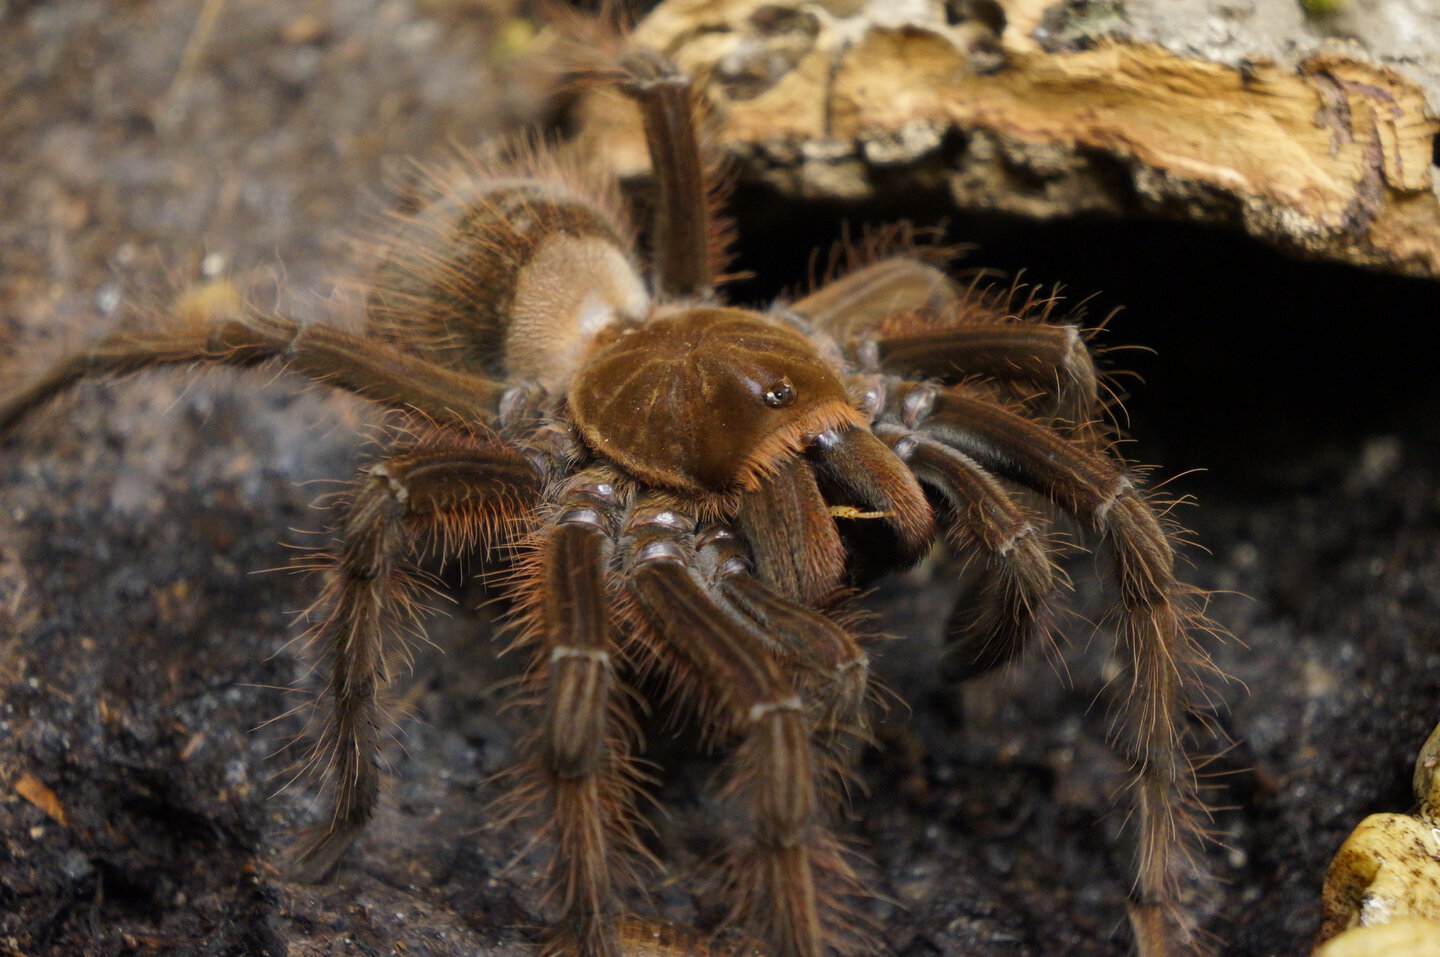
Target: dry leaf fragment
column 39, row 794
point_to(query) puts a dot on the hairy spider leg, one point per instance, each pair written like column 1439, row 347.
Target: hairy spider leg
column 826, row 663
column 1158, row 622
column 786, row 872
column 1022, row 353
column 324, row 354
column 859, row 301
column 461, row 495
column 582, row 763
column 906, row 317
column 902, row 316
column 980, row 517
column 684, row 249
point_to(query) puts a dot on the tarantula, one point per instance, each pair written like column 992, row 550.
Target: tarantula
column 688, row 490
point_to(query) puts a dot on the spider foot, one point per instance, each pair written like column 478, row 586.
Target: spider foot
column 318, row 851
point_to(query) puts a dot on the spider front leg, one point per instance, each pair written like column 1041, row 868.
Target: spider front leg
column 322, row 353
column 1020, row 577
column 459, row 493
column 784, row 873
column 906, row 317
column 825, row 661
column 584, row 744
column 1004, row 339
column 1159, row 619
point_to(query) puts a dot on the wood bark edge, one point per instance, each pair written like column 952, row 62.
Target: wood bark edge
column 1332, row 157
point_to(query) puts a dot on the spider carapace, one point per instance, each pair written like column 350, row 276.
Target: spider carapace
column 672, row 476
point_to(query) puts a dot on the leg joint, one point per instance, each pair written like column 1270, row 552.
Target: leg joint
column 758, row 712
column 393, row 485
column 917, row 403
column 663, row 551
column 1122, row 487
column 561, row 652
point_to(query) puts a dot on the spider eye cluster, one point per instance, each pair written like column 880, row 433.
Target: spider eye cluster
column 706, row 400
column 781, row 394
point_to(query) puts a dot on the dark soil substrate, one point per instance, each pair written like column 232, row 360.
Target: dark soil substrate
column 144, row 657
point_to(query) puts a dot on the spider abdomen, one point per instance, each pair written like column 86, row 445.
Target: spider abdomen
column 506, row 277
column 707, row 399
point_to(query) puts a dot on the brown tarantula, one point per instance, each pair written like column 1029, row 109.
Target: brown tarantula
column 685, row 486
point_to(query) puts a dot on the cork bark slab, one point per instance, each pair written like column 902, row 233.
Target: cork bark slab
column 1283, row 125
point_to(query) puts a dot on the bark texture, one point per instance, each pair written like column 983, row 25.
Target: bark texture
column 1319, row 134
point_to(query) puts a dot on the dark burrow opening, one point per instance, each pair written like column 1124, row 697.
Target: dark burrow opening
column 1235, row 357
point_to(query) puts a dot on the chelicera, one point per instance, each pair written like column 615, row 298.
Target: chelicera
column 681, row 485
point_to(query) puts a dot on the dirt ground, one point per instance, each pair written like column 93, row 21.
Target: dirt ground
column 147, row 636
